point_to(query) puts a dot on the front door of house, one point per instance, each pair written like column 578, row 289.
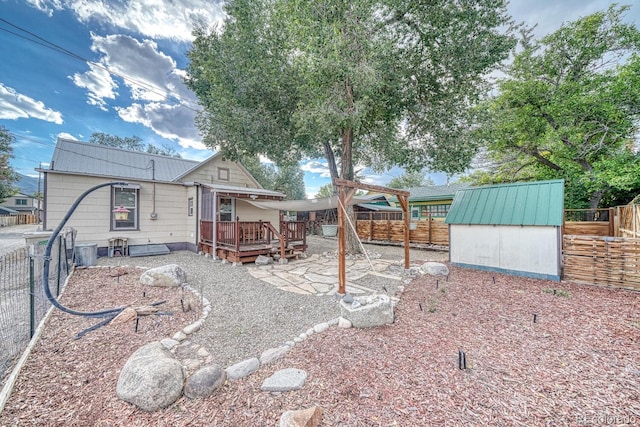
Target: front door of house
column 226, row 209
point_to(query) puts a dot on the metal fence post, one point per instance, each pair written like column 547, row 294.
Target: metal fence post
column 32, row 302
column 59, row 264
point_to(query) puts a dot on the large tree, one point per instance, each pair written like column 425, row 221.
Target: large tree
column 7, row 175
column 569, row 108
column 287, row 179
column 410, row 179
column 375, row 82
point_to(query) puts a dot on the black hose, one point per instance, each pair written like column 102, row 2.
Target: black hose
column 47, row 260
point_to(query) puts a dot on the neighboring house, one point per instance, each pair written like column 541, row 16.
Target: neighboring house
column 510, row 228
column 21, row 203
column 167, row 202
column 432, row 201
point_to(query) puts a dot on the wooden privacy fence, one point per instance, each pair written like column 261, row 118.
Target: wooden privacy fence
column 628, row 220
column 610, row 261
column 427, row 231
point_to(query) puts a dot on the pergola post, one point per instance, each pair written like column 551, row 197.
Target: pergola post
column 346, row 190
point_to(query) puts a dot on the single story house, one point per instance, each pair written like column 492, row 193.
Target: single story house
column 510, row 228
column 431, row 201
column 22, row 204
column 166, row 203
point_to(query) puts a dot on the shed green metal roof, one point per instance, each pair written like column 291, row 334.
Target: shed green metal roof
column 525, row 203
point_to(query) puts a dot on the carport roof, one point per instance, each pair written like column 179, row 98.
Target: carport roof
column 525, row 203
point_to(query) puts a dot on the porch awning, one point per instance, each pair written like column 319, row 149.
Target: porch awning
column 232, row 189
column 305, row 205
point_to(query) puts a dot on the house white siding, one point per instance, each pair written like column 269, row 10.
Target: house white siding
column 92, row 218
column 526, row 250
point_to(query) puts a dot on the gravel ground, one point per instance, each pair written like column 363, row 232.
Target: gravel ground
column 248, row 315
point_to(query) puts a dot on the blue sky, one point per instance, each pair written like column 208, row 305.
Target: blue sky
column 55, row 82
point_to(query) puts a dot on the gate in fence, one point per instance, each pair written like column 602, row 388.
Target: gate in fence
column 23, row 302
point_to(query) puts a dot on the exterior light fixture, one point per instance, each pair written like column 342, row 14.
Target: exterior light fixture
column 253, row 196
column 121, row 213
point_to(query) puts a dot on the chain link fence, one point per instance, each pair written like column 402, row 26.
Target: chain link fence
column 23, row 302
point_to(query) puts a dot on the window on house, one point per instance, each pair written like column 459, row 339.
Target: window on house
column 128, row 199
column 190, row 206
column 21, row 202
column 223, row 174
column 435, row 210
column 415, row 213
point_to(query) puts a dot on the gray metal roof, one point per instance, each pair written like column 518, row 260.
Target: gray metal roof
column 99, row 160
column 433, row 192
column 521, row 203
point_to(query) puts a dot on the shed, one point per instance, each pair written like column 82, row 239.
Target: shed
column 509, row 228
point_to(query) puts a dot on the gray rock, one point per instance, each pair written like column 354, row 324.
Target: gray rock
column 272, row 354
column 151, row 379
column 435, row 268
column 285, row 380
column 204, row 382
column 169, row 343
column 243, row 369
column 348, row 298
column 333, row 322
column 321, row 327
column 170, row 275
column 375, row 310
column 344, row 323
column 195, row 326
column 263, row 260
column 179, row 336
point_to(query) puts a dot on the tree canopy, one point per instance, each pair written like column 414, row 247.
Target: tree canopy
column 373, row 82
column 131, row 143
column 288, row 179
column 8, row 176
column 569, row 108
column 410, row 179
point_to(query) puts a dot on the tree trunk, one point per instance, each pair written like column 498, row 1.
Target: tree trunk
column 594, row 200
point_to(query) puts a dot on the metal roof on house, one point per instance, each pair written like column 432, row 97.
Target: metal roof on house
column 84, row 158
column 433, row 192
column 526, row 203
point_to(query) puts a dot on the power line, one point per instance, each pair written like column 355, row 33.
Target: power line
column 166, row 94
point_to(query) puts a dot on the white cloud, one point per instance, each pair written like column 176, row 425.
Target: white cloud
column 314, row 166
column 159, row 98
column 14, row 105
column 159, row 19
column 99, row 86
column 169, row 121
column 65, row 135
column 46, row 6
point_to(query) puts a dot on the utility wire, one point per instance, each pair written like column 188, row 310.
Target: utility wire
column 166, row 94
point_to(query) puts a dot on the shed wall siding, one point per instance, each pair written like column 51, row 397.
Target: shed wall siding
column 530, row 249
column 92, row 217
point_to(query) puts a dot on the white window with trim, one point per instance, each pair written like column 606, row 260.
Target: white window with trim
column 124, row 212
column 415, row 213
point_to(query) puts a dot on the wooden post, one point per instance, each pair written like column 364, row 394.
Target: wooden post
column 342, row 277
column 404, row 202
column 345, row 199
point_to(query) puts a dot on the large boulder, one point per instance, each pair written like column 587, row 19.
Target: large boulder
column 435, row 268
column 205, row 381
column 170, row 275
column 151, row 379
column 369, row 311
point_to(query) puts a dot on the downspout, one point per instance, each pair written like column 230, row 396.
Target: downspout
column 197, row 214
column 214, row 228
column 153, row 215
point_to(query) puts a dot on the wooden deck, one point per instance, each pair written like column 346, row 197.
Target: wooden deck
column 245, row 241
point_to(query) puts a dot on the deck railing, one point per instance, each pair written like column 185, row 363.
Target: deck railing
column 294, row 231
